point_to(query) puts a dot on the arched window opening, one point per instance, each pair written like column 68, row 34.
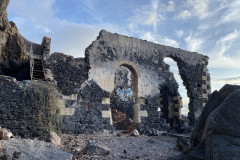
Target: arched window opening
column 182, row 89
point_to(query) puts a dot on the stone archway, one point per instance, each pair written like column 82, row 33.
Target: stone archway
column 125, row 94
column 134, row 71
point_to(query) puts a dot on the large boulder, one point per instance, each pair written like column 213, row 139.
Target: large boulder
column 212, row 104
column 214, row 101
column 34, row 149
column 13, row 54
column 222, row 131
column 217, row 133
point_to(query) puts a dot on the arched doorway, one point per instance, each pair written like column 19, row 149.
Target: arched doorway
column 174, row 98
column 124, row 96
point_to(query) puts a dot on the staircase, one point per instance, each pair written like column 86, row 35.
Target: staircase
column 37, row 70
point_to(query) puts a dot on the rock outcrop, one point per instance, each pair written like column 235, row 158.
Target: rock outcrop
column 13, row 55
column 217, row 133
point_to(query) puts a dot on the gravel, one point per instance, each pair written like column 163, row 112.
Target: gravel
column 121, row 146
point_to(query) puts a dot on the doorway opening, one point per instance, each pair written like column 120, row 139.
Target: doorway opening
column 182, row 89
column 124, row 97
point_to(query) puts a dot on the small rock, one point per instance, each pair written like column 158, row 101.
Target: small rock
column 124, row 151
column 1, row 154
column 6, row 157
column 55, row 139
column 1, row 134
column 17, row 154
column 106, row 132
column 183, row 144
column 134, row 133
column 5, row 134
column 119, row 134
column 152, row 141
column 99, row 150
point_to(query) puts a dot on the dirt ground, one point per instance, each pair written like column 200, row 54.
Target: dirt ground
column 120, row 146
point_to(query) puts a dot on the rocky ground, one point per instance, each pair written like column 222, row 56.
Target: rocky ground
column 119, row 146
column 28, row 149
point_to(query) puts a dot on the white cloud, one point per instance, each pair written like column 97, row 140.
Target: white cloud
column 152, row 18
column 204, row 27
column 171, row 6
column 148, row 15
column 223, row 62
column 132, row 26
column 226, row 42
column 232, row 80
column 148, row 36
column 44, row 29
column 179, row 33
column 193, row 44
column 67, row 37
column 218, row 84
column 199, row 8
column 152, row 15
column 184, row 15
column 19, row 20
column 169, row 42
column 233, row 12
column 165, row 41
column 218, row 57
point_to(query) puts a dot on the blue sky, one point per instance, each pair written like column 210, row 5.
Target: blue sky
column 210, row 27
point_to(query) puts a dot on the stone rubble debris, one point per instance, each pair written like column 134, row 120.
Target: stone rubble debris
column 113, row 145
column 134, row 133
column 55, row 139
column 5, row 134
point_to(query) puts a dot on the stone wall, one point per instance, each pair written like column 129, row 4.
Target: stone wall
column 89, row 86
column 68, row 72
column 29, row 109
column 91, row 113
column 145, row 60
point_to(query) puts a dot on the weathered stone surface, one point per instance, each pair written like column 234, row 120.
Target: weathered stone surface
column 17, row 154
column 134, row 133
column 218, row 136
column 87, row 117
column 183, row 145
column 223, row 129
column 29, row 109
column 214, row 101
column 212, row 104
column 145, row 61
column 94, row 149
column 34, row 149
column 13, row 55
column 6, row 156
column 3, row 15
column 55, row 139
column 92, row 78
column 70, row 73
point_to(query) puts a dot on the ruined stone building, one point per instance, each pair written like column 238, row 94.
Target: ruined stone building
column 118, row 74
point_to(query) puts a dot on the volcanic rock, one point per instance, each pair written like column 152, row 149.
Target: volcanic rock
column 13, row 55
